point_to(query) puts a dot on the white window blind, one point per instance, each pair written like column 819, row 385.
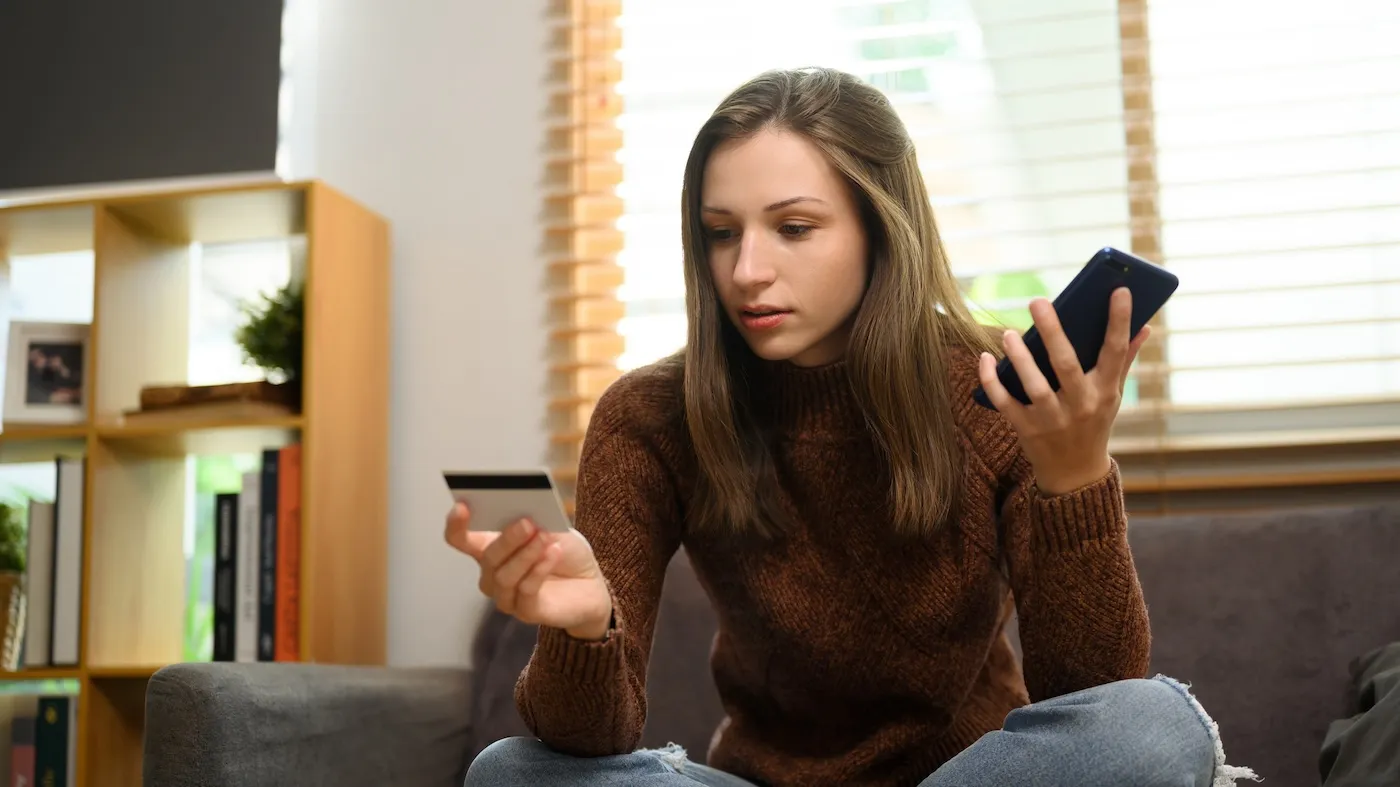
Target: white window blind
column 1273, row 186
column 1278, row 134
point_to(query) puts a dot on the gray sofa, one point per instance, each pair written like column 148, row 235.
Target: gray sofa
column 1264, row 613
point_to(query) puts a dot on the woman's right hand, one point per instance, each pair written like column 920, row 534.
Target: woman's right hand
column 541, row 578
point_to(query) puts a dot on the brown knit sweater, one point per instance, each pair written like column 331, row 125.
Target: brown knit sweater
column 843, row 656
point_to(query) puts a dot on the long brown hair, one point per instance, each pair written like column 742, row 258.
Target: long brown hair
column 911, row 314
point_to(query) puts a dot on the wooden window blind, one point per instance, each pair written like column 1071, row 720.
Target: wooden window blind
column 1270, row 147
column 1254, row 151
column 582, row 208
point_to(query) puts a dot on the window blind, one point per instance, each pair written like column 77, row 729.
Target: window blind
column 581, row 214
column 1277, row 133
column 1275, row 142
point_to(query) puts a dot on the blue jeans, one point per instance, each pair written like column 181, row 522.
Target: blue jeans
column 1145, row 733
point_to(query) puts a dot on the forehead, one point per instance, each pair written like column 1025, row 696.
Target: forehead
column 768, row 167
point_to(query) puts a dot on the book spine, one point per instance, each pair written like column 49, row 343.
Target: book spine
column 22, row 751
column 246, row 606
column 38, row 614
column 51, row 741
column 288, row 646
column 225, row 552
column 66, row 630
column 267, row 557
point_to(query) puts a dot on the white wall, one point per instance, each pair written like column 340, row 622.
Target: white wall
column 430, row 112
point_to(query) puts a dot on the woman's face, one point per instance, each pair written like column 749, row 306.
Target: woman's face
column 787, row 248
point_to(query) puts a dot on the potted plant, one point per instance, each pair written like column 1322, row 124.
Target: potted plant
column 272, row 335
column 13, row 550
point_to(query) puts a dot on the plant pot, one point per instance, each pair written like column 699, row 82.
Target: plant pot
column 11, row 618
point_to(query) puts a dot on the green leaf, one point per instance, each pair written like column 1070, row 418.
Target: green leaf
column 272, row 335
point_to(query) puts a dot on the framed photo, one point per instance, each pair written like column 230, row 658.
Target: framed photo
column 45, row 373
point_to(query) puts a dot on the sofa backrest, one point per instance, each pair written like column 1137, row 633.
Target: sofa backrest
column 1262, row 613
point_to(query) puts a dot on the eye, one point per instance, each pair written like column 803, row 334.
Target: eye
column 794, row 230
column 719, row 234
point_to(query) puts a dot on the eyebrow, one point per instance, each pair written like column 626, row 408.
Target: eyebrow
column 779, row 205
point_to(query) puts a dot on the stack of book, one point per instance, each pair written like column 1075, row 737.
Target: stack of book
column 257, row 577
column 43, row 739
column 54, row 572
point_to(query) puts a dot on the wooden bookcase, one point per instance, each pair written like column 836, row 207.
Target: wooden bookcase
column 133, row 562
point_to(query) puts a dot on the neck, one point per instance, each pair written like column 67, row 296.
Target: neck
column 808, row 399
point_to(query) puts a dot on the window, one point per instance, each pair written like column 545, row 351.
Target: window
column 1278, row 134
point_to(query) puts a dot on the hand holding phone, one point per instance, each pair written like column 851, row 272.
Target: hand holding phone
column 532, row 563
column 1081, row 312
column 1061, row 385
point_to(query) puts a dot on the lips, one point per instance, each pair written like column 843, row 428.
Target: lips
column 762, row 316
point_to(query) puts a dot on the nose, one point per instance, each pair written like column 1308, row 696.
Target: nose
column 754, row 267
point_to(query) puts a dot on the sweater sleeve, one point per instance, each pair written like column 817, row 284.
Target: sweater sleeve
column 1080, row 609
column 588, row 699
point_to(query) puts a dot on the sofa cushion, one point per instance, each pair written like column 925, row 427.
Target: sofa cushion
column 682, row 704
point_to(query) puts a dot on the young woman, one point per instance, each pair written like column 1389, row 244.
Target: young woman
column 859, row 522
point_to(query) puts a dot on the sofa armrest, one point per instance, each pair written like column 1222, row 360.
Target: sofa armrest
column 247, row 725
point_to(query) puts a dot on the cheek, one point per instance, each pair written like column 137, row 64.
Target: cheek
column 842, row 284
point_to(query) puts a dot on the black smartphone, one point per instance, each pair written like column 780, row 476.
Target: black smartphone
column 1083, row 311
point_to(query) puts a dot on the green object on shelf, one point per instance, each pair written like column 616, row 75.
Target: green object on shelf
column 13, row 533
column 199, row 608
column 272, row 334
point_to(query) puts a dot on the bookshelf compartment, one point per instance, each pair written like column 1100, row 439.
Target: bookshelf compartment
column 46, row 286
column 141, row 315
column 33, row 744
column 115, row 723
column 136, row 561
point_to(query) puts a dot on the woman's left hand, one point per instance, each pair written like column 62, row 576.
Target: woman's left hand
column 1065, row 434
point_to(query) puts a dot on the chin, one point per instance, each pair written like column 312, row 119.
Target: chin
column 773, row 349
column 776, row 349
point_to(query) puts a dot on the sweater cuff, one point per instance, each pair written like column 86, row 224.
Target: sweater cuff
column 582, row 661
column 1090, row 513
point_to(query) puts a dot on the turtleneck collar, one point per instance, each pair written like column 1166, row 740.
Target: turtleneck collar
column 809, row 400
